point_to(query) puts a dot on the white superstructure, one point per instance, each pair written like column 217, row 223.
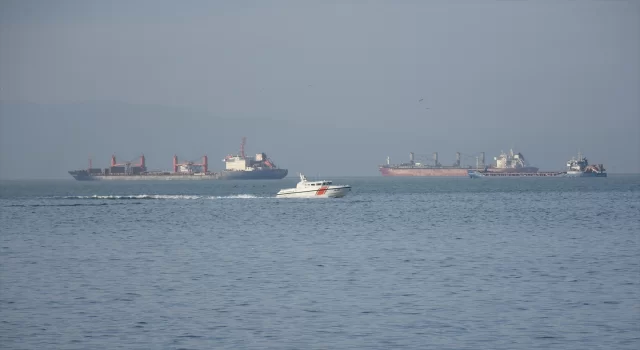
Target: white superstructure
column 579, row 167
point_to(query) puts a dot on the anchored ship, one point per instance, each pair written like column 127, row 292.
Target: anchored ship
column 505, row 163
column 576, row 167
column 138, row 171
column 242, row 167
column 579, row 167
column 511, row 163
column 474, row 174
column 413, row 168
column 237, row 168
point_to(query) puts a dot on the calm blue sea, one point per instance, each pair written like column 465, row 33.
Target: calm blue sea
column 400, row 263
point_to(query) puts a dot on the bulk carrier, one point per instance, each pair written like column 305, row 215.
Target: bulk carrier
column 129, row 171
column 504, row 163
column 238, row 167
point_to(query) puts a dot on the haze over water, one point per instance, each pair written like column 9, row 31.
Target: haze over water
column 321, row 87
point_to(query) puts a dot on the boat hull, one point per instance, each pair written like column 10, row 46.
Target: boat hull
column 331, row 192
column 475, row 174
column 584, row 174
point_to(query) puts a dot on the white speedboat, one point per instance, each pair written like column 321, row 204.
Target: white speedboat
column 314, row 189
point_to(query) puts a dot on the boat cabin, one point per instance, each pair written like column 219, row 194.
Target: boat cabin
column 322, row 183
column 305, row 183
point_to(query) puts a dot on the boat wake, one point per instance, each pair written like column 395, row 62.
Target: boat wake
column 162, row 197
column 58, row 205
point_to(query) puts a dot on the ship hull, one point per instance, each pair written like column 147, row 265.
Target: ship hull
column 527, row 169
column 266, row 174
column 269, row 174
column 178, row 177
column 475, row 174
column 434, row 172
column 584, row 174
column 450, row 172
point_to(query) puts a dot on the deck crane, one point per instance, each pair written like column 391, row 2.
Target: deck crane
column 188, row 166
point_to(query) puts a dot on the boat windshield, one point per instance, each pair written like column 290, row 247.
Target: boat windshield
column 318, row 183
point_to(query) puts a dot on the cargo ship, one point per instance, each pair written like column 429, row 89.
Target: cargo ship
column 474, row 174
column 579, row 167
column 138, row 171
column 241, row 167
column 237, row 168
column 504, row 163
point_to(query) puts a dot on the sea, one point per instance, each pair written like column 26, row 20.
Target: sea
column 399, row 263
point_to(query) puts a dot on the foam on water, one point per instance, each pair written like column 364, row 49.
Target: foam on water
column 160, row 196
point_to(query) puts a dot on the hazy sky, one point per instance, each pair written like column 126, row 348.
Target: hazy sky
column 329, row 87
